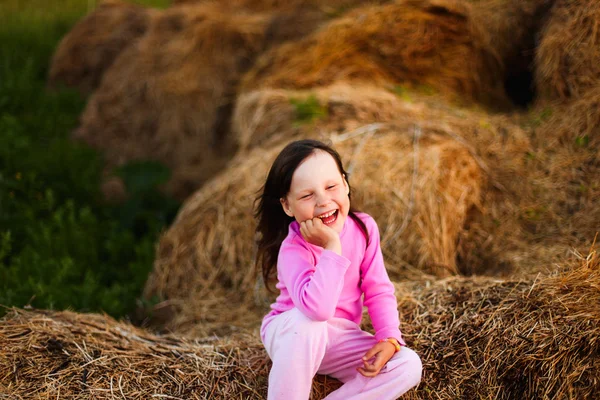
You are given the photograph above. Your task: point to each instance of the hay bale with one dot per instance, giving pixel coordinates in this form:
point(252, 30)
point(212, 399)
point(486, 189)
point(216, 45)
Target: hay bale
point(470, 171)
point(478, 338)
point(211, 244)
point(428, 43)
point(45, 354)
point(567, 61)
point(91, 47)
point(481, 338)
point(168, 97)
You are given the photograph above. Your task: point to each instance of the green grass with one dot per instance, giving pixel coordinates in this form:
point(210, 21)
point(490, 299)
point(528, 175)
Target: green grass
point(60, 245)
point(308, 110)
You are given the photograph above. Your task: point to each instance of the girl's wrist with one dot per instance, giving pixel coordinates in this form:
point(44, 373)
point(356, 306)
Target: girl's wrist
point(334, 245)
point(394, 342)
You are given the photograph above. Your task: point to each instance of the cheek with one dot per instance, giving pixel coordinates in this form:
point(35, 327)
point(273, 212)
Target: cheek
point(344, 201)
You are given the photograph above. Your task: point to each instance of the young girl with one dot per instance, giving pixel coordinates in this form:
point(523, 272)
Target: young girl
point(329, 264)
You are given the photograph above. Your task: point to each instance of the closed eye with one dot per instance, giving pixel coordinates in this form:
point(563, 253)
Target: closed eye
point(306, 196)
point(331, 187)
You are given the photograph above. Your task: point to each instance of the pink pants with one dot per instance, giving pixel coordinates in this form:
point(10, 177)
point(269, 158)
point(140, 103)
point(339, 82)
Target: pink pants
point(300, 348)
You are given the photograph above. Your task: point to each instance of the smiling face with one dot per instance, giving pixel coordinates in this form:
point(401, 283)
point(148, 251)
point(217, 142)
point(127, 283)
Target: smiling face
point(319, 190)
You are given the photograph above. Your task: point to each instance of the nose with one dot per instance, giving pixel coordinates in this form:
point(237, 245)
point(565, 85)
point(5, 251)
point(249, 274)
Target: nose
point(323, 199)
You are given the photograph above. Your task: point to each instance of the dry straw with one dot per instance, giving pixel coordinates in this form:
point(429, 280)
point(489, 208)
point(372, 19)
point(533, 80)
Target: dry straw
point(419, 179)
point(478, 338)
point(91, 47)
point(428, 43)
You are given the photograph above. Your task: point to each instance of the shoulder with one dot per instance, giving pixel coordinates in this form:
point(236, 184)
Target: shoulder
point(367, 220)
point(294, 239)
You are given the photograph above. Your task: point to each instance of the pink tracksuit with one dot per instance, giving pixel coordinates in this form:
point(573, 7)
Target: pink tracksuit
point(313, 326)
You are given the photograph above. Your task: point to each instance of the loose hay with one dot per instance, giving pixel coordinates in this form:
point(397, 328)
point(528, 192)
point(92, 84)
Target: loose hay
point(91, 47)
point(168, 97)
point(478, 338)
point(567, 61)
point(428, 43)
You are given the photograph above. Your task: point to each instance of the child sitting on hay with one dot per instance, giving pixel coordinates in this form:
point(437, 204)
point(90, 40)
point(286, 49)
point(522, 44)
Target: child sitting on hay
point(327, 256)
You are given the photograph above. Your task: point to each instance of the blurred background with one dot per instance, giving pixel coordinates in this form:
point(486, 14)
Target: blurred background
point(62, 245)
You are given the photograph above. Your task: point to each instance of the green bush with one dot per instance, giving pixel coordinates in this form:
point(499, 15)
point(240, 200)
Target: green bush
point(60, 245)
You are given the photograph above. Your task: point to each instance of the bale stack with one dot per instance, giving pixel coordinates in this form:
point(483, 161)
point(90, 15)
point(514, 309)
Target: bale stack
point(91, 47)
point(477, 337)
point(424, 43)
point(168, 97)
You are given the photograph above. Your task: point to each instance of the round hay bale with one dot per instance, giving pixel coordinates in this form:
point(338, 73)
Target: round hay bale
point(567, 60)
point(431, 221)
point(477, 337)
point(211, 243)
point(168, 97)
point(429, 43)
point(91, 47)
point(488, 244)
point(412, 176)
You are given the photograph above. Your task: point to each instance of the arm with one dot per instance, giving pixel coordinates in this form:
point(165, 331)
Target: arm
point(314, 289)
point(380, 299)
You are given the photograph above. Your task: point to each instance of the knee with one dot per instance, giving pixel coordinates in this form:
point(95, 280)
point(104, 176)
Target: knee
point(413, 366)
point(304, 327)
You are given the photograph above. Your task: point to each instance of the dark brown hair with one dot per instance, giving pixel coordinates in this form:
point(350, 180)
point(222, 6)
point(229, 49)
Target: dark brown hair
point(273, 223)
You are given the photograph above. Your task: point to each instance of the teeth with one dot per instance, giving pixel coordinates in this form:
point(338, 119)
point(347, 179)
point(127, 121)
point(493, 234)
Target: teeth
point(329, 214)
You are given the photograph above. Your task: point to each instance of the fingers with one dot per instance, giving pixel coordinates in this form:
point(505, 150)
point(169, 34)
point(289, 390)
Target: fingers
point(368, 370)
point(371, 353)
point(379, 362)
point(309, 228)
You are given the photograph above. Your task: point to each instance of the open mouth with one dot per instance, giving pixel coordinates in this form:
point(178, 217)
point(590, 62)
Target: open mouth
point(329, 217)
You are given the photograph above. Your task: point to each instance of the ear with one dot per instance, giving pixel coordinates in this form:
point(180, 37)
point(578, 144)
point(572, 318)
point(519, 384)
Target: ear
point(286, 207)
point(346, 184)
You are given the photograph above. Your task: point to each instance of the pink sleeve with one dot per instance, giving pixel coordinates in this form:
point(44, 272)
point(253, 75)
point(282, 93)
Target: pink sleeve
point(314, 289)
point(380, 299)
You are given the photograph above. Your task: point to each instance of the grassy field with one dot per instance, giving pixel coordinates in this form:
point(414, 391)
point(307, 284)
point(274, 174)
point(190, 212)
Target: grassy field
point(60, 246)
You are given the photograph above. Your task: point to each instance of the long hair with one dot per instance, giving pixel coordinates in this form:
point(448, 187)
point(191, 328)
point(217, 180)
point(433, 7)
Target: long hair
point(273, 222)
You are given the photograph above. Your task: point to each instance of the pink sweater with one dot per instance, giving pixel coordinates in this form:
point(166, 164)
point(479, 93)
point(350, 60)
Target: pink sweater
point(323, 284)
